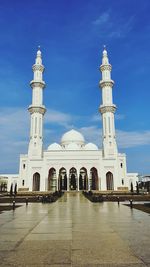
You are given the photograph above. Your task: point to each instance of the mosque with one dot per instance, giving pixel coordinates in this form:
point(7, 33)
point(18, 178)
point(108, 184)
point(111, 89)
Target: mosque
point(73, 164)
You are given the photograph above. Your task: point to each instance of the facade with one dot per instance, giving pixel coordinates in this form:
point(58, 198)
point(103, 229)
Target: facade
point(144, 183)
point(8, 180)
point(73, 164)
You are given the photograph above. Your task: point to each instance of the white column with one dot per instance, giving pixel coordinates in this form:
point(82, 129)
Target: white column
point(46, 184)
point(77, 179)
point(68, 184)
point(89, 184)
point(57, 185)
point(99, 183)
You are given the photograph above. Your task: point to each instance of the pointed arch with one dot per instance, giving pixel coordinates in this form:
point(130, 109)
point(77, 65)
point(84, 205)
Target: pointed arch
point(73, 178)
point(83, 179)
point(36, 182)
point(109, 181)
point(51, 179)
point(62, 179)
point(94, 178)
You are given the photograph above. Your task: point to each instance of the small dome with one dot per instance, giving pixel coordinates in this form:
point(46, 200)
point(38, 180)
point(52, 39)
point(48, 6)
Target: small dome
point(73, 146)
point(90, 146)
point(54, 146)
point(72, 137)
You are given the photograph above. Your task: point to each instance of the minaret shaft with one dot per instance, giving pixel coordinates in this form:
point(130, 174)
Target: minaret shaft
point(107, 109)
point(37, 109)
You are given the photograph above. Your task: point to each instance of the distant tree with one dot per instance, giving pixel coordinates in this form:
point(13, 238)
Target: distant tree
point(15, 190)
point(131, 187)
point(137, 188)
point(11, 189)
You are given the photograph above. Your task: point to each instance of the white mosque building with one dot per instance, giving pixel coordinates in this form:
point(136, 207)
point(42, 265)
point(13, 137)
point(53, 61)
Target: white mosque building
point(73, 164)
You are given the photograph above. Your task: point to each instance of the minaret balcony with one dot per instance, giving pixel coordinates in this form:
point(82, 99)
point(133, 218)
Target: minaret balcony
point(38, 67)
point(106, 67)
point(36, 83)
point(104, 109)
point(37, 109)
point(106, 83)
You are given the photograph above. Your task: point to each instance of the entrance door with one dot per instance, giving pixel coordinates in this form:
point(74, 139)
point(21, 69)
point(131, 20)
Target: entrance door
point(73, 182)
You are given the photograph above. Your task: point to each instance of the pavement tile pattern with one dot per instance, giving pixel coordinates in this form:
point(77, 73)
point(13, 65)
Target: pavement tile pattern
point(74, 232)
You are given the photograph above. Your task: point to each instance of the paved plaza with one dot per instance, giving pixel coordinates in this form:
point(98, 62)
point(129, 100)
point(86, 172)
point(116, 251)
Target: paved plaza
point(74, 232)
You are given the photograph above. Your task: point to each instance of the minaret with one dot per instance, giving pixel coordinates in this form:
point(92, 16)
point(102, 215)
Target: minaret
point(107, 109)
point(37, 109)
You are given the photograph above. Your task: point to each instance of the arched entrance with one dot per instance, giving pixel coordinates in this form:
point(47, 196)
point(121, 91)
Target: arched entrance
point(94, 178)
point(83, 180)
point(36, 182)
point(73, 179)
point(62, 179)
point(52, 180)
point(109, 181)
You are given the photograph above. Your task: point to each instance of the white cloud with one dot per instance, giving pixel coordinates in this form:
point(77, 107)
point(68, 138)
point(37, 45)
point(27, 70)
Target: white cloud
point(124, 139)
point(57, 117)
point(133, 138)
point(97, 117)
point(102, 19)
point(14, 124)
point(119, 117)
point(111, 27)
point(14, 134)
point(92, 134)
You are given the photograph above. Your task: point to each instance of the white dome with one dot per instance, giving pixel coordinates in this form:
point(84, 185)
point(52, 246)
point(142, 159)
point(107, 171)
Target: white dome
point(90, 146)
point(72, 137)
point(54, 146)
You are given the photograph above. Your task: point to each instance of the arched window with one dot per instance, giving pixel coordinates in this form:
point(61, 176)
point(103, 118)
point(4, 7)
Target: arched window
point(94, 179)
point(52, 180)
point(73, 178)
point(109, 181)
point(83, 180)
point(62, 179)
point(36, 182)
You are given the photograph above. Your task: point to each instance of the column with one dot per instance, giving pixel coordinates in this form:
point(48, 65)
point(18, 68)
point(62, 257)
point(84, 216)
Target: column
point(68, 183)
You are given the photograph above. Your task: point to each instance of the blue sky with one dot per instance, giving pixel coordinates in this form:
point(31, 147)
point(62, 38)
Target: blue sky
point(72, 35)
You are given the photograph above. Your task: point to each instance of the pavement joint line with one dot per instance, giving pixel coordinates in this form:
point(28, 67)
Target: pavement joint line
point(30, 230)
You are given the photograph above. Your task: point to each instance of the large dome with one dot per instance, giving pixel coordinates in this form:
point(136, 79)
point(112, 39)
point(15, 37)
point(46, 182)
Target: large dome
point(72, 137)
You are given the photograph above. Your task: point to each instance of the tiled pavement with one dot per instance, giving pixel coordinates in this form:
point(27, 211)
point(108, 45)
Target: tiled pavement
point(74, 232)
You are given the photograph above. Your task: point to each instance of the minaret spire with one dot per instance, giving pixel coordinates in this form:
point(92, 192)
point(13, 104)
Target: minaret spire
point(37, 109)
point(107, 109)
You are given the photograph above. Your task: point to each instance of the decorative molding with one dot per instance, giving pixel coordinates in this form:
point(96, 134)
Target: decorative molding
point(40, 84)
point(104, 109)
point(103, 83)
point(33, 109)
point(105, 67)
point(38, 67)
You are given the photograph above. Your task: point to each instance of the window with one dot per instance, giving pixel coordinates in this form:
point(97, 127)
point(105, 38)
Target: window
point(24, 165)
point(22, 182)
point(121, 165)
point(122, 181)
